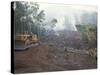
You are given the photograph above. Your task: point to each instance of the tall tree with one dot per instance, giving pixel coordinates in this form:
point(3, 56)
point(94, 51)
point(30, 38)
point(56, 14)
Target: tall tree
point(27, 17)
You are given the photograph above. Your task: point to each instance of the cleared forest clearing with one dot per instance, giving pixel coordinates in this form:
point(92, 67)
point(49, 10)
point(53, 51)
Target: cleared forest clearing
point(41, 58)
point(46, 40)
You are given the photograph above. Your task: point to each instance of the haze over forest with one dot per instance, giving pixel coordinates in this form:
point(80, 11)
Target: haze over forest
point(69, 15)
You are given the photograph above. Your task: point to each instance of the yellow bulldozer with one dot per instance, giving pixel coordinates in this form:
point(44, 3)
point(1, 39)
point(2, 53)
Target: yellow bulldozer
point(24, 41)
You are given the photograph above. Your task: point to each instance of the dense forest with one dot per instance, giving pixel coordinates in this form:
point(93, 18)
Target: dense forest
point(28, 18)
point(88, 34)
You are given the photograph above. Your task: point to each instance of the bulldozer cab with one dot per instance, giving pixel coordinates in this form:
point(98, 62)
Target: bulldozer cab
point(25, 40)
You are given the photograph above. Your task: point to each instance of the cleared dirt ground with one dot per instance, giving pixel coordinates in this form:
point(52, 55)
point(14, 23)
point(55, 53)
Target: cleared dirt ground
point(44, 58)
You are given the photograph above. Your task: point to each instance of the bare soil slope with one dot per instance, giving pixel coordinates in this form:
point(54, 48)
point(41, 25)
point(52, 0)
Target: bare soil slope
point(45, 58)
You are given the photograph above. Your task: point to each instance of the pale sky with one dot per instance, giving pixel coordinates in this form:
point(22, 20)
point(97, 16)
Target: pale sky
point(53, 7)
point(59, 11)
